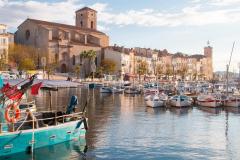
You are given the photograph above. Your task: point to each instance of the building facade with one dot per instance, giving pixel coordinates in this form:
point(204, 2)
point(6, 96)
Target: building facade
point(5, 40)
point(177, 66)
point(64, 43)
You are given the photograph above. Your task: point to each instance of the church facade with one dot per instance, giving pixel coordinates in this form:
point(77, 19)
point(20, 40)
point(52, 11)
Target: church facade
point(64, 43)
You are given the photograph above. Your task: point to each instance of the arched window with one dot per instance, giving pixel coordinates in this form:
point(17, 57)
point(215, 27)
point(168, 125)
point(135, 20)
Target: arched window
point(27, 34)
point(73, 60)
point(92, 24)
point(81, 23)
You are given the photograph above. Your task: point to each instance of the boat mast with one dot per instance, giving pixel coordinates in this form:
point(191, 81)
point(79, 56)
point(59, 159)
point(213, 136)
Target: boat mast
point(227, 76)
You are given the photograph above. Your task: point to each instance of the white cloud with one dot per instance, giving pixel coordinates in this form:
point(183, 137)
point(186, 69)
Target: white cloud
point(188, 16)
point(224, 2)
point(15, 12)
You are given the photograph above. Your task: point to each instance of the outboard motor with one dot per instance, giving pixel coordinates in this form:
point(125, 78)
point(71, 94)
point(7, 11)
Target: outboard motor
point(72, 104)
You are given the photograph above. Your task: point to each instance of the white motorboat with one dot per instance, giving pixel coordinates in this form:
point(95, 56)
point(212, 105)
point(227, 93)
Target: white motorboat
point(209, 100)
point(180, 101)
point(157, 100)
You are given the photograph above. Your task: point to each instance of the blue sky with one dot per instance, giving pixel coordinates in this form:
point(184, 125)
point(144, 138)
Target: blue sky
point(177, 25)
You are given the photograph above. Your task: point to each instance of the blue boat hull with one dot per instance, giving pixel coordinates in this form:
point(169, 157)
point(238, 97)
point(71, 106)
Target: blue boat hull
point(22, 141)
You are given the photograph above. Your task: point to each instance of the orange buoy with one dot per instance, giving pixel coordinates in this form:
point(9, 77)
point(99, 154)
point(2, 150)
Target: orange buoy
point(15, 115)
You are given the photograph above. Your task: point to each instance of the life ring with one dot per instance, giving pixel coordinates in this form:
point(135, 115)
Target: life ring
point(12, 118)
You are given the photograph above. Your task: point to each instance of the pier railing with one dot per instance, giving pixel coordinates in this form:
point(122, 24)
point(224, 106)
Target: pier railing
point(14, 127)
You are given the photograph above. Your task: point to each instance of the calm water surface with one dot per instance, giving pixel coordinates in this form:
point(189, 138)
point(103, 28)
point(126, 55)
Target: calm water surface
point(121, 127)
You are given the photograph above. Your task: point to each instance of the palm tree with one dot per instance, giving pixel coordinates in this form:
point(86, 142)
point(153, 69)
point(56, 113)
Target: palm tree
point(77, 71)
point(88, 61)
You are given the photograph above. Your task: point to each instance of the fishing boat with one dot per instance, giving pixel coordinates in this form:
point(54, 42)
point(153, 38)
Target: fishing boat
point(180, 101)
point(157, 100)
point(209, 100)
point(51, 129)
point(36, 130)
point(23, 106)
point(231, 101)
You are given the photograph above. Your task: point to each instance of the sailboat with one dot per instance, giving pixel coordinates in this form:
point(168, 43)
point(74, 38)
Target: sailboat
point(230, 100)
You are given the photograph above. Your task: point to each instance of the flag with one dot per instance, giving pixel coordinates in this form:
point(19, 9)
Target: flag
point(35, 88)
point(13, 93)
point(5, 88)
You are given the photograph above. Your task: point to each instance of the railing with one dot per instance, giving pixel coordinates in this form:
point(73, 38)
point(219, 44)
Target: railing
point(11, 126)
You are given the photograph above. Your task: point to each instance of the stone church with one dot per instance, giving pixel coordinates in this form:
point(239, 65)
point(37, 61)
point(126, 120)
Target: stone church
point(64, 43)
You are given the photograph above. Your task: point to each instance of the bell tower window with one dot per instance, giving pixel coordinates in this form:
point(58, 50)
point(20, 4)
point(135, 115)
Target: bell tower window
point(92, 24)
point(81, 23)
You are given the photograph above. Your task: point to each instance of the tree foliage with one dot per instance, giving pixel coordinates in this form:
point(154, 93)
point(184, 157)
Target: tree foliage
point(18, 53)
point(77, 71)
point(169, 70)
point(88, 63)
point(108, 66)
point(50, 69)
point(142, 67)
point(26, 64)
point(159, 70)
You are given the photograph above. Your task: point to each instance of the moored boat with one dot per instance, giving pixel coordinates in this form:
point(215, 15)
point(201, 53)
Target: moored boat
point(231, 101)
point(180, 101)
point(157, 100)
point(209, 100)
point(28, 135)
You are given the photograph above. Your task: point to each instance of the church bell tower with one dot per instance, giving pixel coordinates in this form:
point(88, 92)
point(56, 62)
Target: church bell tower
point(86, 18)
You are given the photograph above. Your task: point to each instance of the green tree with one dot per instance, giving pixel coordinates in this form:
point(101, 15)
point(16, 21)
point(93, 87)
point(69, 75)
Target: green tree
point(183, 71)
point(50, 69)
point(88, 65)
point(3, 65)
point(77, 71)
point(108, 66)
point(159, 70)
point(142, 68)
point(16, 53)
point(169, 71)
point(26, 64)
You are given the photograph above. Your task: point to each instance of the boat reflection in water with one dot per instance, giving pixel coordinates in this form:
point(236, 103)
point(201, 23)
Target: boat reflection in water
point(159, 110)
point(75, 149)
point(180, 111)
point(216, 110)
point(235, 110)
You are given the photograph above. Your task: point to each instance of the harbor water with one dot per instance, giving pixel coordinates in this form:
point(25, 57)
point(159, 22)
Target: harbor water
point(122, 127)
